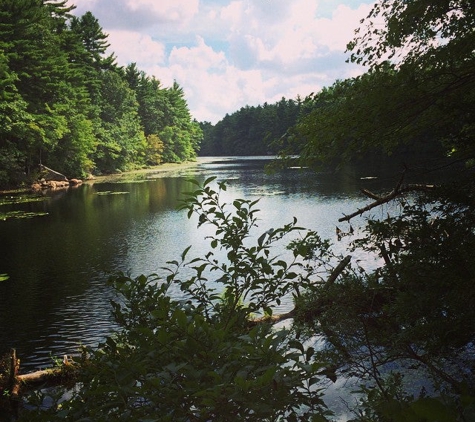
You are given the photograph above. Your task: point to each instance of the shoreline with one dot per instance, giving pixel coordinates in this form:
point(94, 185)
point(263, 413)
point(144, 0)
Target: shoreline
point(164, 168)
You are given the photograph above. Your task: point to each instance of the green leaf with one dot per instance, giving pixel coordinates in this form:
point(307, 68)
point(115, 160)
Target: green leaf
point(295, 344)
point(194, 182)
point(309, 353)
point(209, 180)
point(183, 255)
point(261, 239)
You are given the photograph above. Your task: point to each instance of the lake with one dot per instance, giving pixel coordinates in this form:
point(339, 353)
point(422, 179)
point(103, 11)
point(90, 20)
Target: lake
point(56, 298)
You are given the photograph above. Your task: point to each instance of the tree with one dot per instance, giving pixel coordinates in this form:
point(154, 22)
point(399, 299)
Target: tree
point(251, 130)
point(122, 141)
point(181, 136)
point(151, 98)
point(59, 90)
point(14, 121)
point(25, 32)
point(419, 87)
point(34, 41)
point(94, 40)
point(154, 152)
point(410, 313)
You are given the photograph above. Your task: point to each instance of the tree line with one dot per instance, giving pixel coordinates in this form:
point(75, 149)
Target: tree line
point(65, 103)
point(290, 127)
point(252, 130)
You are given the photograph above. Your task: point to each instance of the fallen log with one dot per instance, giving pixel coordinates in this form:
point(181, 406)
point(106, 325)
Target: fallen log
point(50, 174)
point(272, 319)
point(14, 384)
point(43, 378)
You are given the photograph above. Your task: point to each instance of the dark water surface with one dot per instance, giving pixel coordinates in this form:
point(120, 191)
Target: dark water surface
point(56, 298)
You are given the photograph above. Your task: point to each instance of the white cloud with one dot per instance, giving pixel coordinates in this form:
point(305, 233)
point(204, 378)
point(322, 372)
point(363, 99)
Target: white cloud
point(164, 10)
point(200, 56)
point(135, 47)
point(233, 14)
point(138, 14)
point(337, 31)
point(230, 53)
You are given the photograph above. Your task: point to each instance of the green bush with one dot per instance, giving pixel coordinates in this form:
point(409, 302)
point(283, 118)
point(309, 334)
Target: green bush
point(188, 351)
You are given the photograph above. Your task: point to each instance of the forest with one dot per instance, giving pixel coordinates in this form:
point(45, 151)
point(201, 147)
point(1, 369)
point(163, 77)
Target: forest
point(403, 331)
point(65, 103)
point(252, 130)
point(276, 129)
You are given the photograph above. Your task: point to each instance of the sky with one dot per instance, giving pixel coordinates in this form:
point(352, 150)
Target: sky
point(227, 54)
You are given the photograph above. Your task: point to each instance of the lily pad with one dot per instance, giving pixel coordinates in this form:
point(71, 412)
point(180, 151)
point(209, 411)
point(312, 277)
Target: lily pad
point(108, 192)
point(21, 214)
point(13, 200)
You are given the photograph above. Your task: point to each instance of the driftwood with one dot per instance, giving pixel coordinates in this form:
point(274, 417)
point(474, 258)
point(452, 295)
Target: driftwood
point(13, 385)
point(272, 319)
point(17, 384)
point(51, 179)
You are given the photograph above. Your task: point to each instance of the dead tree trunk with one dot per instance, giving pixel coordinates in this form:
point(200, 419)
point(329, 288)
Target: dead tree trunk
point(15, 384)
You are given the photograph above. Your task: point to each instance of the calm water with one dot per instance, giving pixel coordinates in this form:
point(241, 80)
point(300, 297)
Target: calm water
point(56, 297)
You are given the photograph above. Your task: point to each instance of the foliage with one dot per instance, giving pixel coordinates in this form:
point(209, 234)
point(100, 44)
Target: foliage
point(415, 32)
point(155, 148)
point(187, 348)
point(411, 314)
point(122, 142)
point(57, 97)
point(251, 130)
point(410, 319)
point(419, 89)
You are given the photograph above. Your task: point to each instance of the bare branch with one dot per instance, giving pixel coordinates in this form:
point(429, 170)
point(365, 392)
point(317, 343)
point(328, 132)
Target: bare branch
point(337, 271)
point(370, 194)
point(379, 200)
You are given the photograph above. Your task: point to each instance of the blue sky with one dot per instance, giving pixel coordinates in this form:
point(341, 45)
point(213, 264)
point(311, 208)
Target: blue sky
point(227, 54)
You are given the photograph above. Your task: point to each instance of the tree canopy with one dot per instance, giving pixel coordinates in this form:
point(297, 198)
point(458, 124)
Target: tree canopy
point(419, 87)
point(251, 130)
point(67, 104)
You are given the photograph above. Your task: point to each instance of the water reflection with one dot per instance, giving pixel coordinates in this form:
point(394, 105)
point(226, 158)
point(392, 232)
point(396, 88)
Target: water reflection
point(56, 297)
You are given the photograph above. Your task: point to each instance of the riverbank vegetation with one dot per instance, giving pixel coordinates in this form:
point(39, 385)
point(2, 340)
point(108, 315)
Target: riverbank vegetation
point(402, 329)
point(65, 103)
point(413, 314)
